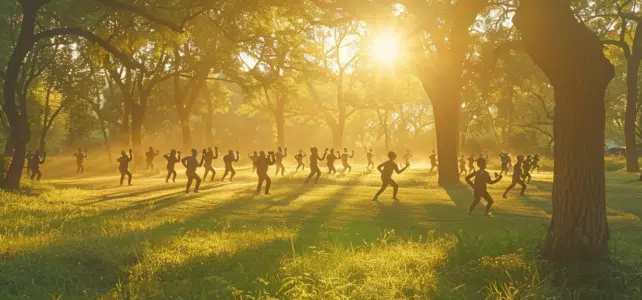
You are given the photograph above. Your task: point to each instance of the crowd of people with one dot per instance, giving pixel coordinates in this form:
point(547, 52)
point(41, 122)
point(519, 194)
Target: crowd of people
point(474, 167)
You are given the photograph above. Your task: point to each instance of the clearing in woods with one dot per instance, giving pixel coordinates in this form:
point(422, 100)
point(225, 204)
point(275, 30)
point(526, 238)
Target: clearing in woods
point(90, 238)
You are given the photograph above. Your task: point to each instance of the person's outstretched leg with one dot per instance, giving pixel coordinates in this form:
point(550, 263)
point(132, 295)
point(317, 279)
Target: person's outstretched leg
point(523, 188)
point(384, 186)
point(39, 175)
point(395, 188)
point(213, 174)
point(232, 173)
point(476, 199)
point(174, 176)
point(122, 177)
point(489, 203)
point(82, 169)
point(316, 181)
point(282, 171)
point(190, 178)
point(78, 169)
point(198, 183)
point(207, 171)
point(349, 169)
point(129, 174)
point(227, 171)
point(268, 184)
point(169, 174)
point(309, 176)
point(510, 187)
point(259, 184)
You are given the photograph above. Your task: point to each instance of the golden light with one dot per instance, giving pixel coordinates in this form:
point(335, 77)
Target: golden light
point(385, 49)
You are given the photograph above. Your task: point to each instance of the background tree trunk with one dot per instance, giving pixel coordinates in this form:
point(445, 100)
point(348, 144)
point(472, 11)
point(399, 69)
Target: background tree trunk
point(17, 116)
point(630, 118)
point(572, 57)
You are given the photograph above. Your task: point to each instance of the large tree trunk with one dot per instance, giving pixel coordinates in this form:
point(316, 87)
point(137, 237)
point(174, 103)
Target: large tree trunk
point(17, 115)
point(572, 57)
point(209, 122)
point(105, 136)
point(447, 132)
point(632, 69)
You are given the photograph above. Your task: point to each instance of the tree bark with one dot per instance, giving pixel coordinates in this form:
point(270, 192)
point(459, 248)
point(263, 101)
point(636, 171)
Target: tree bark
point(17, 116)
point(572, 57)
point(630, 117)
point(209, 118)
point(447, 132)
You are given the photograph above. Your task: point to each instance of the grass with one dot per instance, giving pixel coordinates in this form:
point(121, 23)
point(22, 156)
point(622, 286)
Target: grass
point(86, 238)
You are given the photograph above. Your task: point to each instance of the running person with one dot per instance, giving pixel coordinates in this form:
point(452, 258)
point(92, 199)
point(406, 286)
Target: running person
point(172, 159)
point(330, 162)
point(480, 188)
point(191, 163)
point(123, 166)
point(253, 158)
point(344, 160)
point(314, 164)
point(209, 156)
point(35, 164)
point(371, 164)
point(517, 177)
point(280, 155)
point(150, 158)
point(527, 165)
point(462, 165)
point(229, 159)
point(386, 169)
point(471, 164)
point(433, 160)
point(80, 157)
point(407, 157)
point(299, 160)
point(262, 165)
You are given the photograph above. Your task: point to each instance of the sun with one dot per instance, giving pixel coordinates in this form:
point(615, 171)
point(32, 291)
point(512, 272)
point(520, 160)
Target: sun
point(385, 50)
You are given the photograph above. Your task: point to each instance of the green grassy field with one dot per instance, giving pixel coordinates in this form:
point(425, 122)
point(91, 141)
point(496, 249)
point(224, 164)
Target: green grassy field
point(87, 238)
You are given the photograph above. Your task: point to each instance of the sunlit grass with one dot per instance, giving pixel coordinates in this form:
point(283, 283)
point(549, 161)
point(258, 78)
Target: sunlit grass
point(86, 238)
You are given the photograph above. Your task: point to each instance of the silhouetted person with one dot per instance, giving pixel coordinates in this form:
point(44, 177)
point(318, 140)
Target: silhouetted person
point(28, 164)
point(528, 163)
point(35, 164)
point(535, 163)
point(253, 158)
point(263, 163)
point(229, 159)
point(386, 169)
point(371, 164)
point(123, 166)
point(80, 157)
point(280, 155)
point(503, 157)
point(191, 163)
point(433, 160)
point(209, 156)
point(471, 164)
point(172, 159)
point(517, 176)
point(150, 158)
point(330, 162)
point(407, 157)
point(344, 160)
point(462, 165)
point(299, 160)
point(480, 189)
point(314, 163)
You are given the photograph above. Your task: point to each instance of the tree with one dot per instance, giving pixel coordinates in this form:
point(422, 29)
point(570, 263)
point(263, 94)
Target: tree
point(633, 55)
point(572, 57)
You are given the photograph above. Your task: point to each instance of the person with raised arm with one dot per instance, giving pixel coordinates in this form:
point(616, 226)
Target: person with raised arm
point(80, 157)
point(191, 163)
point(386, 169)
point(263, 163)
point(344, 160)
point(209, 156)
point(123, 166)
point(149, 161)
point(35, 165)
point(172, 159)
point(229, 159)
point(280, 155)
point(480, 186)
point(314, 164)
point(299, 160)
